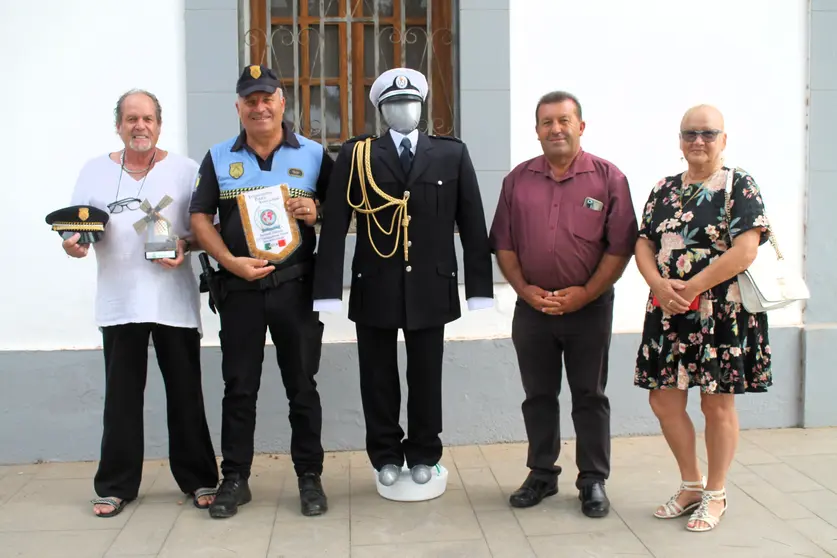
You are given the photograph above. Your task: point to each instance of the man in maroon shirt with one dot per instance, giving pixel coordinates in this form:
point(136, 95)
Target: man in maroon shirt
point(563, 232)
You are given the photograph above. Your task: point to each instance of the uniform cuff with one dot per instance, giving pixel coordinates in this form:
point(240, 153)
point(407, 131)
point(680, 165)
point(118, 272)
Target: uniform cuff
point(480, 303)
point(329, 305)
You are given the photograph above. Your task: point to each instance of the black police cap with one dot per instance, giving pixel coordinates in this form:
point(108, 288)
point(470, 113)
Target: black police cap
point(257, 78)
point(86, 220)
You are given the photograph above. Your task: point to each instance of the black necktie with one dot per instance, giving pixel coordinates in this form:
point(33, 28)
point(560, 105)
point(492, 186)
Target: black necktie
point(406, 155)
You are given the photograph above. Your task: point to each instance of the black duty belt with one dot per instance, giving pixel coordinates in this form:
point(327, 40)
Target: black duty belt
point(235, 283)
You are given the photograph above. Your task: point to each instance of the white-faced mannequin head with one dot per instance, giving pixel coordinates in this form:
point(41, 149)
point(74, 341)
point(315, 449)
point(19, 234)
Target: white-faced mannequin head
point(402, 115)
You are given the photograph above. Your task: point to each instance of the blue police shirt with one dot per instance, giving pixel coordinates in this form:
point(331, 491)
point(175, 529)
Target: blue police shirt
point(232, 167)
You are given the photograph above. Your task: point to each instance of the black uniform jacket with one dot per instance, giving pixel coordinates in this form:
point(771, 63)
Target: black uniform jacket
point(421, 292)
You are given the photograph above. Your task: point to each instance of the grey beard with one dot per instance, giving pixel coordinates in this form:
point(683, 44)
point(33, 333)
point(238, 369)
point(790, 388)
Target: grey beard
point(402, 117)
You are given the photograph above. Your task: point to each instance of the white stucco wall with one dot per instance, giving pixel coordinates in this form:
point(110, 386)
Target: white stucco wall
point(63, 65)
point(636, 66)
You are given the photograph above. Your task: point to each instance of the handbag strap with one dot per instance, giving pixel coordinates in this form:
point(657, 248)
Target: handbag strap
point(728, 215)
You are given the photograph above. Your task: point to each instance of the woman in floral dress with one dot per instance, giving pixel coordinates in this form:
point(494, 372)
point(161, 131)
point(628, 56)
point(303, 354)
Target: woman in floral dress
point(687, 259)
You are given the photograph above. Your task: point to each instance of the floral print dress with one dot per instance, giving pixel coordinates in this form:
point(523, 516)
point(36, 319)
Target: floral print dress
point(720, 347)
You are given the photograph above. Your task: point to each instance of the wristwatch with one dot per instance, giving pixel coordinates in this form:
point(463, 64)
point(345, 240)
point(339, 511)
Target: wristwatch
point(187, 246)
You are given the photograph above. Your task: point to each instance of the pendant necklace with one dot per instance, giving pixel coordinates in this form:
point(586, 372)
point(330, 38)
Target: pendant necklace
point(700, 189)
point(142, 184)
point(129, 171)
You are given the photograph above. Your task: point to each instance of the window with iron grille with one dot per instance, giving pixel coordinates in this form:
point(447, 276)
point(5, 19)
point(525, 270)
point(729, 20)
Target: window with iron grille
point(328, 53)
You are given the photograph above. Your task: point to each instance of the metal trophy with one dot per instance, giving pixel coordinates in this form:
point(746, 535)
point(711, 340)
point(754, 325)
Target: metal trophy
point(160, 241)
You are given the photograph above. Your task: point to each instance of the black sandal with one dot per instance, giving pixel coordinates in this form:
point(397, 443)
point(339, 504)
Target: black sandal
point(117, 504)
point(202, 493)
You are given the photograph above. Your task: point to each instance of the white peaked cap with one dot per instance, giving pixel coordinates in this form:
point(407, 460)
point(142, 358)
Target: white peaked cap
point(399, 83)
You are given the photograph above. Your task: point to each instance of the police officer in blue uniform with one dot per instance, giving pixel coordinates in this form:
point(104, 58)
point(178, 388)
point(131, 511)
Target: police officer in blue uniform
point(260, 293)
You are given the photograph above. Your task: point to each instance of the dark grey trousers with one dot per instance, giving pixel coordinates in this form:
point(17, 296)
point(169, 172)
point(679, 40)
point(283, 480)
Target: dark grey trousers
point(582, 340)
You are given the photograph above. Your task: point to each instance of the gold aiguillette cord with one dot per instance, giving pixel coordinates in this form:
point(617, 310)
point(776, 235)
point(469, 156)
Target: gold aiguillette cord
point(361, 155)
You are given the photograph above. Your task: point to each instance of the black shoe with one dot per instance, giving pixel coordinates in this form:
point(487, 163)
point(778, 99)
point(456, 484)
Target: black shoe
point(233, 492)
point(532, 491)
point(312, 498)
point(594, 502)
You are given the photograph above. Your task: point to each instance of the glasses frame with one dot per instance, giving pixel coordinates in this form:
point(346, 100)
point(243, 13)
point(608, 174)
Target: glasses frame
point(708, 135)
point(119, 206)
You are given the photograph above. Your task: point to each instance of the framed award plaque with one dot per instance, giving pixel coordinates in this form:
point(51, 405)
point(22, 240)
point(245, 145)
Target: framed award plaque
point(271, 231)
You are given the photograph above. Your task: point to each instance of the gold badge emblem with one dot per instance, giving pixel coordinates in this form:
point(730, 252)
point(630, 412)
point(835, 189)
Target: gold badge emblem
point(255, 72)
point(83, 213)
point(236, 170)
point(297, 173)
point(197, 181)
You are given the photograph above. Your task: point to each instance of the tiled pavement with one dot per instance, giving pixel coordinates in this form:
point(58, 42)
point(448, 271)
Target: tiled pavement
point(782, 497)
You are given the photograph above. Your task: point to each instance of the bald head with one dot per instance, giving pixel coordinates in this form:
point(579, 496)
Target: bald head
point(702, 138)
point(705, 117)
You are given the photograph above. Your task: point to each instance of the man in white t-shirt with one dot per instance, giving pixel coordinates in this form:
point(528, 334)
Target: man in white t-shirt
point(137, 298)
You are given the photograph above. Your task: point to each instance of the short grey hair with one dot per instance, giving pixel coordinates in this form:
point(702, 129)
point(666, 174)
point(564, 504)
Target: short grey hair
point(117, 112)
point(558, 97)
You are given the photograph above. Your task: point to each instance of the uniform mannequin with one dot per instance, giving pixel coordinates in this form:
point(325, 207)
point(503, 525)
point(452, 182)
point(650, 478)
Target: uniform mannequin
point(409, 191)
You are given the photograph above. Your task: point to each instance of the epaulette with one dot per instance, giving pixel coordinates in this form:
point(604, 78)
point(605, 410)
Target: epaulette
point(361, 138)
point(451, 138)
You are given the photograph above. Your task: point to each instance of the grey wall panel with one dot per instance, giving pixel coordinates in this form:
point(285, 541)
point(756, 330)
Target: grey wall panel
point(212, 68)
point(820, 320)
point(481, 389)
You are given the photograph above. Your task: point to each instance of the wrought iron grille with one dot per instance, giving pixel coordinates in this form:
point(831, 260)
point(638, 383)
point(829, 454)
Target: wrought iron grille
point(328, 53)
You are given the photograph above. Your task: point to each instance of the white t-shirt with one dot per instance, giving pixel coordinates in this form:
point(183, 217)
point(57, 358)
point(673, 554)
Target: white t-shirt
point(131, 289)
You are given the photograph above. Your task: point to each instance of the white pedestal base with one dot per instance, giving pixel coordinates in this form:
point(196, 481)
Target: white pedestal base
point(405, 490)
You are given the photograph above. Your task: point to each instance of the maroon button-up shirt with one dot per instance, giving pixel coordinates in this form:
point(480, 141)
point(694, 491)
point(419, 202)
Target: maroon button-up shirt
point(560, 229)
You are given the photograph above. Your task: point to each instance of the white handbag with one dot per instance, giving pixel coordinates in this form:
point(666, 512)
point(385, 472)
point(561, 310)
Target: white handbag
point(769, 283)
